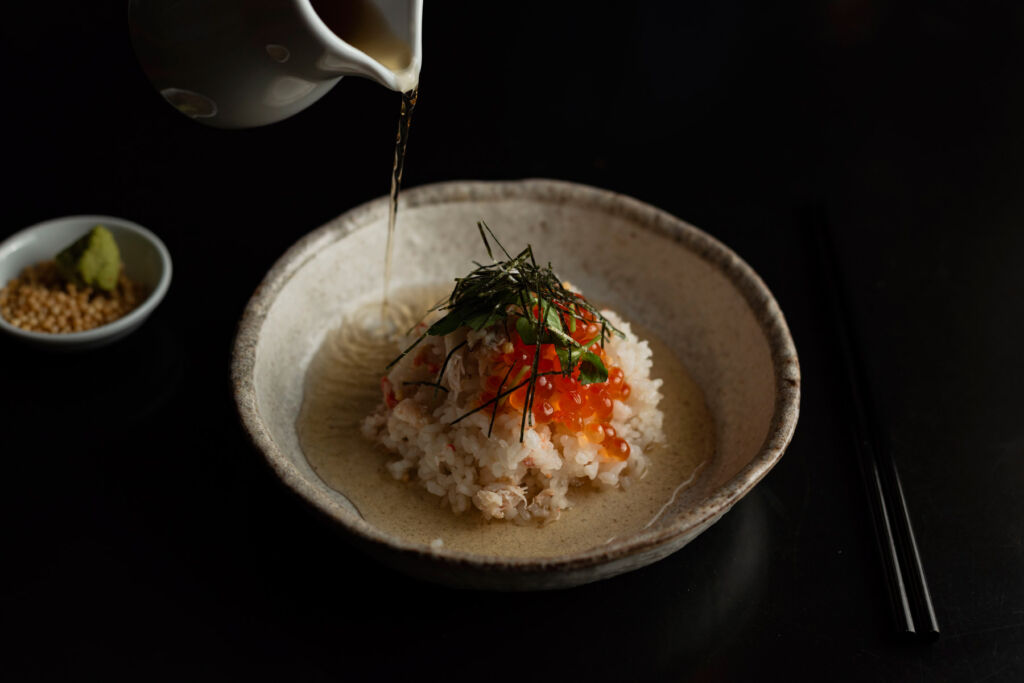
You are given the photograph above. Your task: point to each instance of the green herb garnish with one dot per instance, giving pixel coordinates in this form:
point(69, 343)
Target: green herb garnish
point(517, 291)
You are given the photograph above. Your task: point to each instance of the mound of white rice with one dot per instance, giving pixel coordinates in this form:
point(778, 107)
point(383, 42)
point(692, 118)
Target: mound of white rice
point(500, 476)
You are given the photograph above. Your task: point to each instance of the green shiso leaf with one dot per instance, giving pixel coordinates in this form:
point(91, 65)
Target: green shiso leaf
point(526, 330)
point(449, 323)
point(592, 369)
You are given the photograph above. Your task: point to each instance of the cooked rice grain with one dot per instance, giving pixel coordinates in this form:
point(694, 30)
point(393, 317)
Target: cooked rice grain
point(500, 476)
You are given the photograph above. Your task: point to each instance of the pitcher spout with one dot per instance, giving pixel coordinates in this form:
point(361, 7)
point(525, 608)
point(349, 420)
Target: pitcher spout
point(377, 39)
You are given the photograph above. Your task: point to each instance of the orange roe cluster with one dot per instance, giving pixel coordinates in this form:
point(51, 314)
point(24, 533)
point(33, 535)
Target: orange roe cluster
point(560, 399)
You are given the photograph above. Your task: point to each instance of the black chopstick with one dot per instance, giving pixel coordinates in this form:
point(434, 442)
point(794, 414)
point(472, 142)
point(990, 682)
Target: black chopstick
point(911, 602)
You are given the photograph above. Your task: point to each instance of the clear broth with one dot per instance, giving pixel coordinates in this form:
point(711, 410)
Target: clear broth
point(343, 386)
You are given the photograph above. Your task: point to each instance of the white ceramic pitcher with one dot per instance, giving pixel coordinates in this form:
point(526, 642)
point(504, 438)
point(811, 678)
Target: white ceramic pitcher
point(244, 63)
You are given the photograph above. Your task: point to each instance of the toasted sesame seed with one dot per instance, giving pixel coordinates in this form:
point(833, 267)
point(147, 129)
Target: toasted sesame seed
point(39, 300)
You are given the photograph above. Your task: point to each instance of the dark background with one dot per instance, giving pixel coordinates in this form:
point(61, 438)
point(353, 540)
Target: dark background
point(144, 539)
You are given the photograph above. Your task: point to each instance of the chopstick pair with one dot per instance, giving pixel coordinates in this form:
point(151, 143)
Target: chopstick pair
point(910, 600)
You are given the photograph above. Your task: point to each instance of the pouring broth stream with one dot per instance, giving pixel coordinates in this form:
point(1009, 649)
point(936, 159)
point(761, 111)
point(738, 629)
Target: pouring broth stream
point(362, 25)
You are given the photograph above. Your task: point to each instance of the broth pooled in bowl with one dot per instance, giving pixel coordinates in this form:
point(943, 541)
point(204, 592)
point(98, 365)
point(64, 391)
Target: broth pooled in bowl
point(515, 419)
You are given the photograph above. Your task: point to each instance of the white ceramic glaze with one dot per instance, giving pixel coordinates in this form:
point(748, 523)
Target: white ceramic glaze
point(682, 285)
point(243, 63)
point(146, 261)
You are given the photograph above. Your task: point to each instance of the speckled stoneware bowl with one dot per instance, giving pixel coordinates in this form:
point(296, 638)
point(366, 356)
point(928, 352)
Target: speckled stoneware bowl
point(682, 285)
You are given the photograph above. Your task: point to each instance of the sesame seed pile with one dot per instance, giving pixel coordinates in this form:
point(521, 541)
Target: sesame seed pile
point(39, 300)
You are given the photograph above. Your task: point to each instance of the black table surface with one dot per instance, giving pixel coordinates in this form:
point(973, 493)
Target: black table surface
point(145, 539)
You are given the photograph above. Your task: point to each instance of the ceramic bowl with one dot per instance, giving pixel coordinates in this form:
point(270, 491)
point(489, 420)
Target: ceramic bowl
point(690, 290)
point(146, 261)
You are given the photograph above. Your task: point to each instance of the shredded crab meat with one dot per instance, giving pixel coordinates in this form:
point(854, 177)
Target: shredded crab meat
point(508, 475)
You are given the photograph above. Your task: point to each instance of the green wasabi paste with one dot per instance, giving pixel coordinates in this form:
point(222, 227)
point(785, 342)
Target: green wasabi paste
point(92, 261)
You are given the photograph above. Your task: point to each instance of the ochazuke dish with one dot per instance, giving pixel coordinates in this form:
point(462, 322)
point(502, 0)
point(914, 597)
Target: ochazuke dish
point(514, 418)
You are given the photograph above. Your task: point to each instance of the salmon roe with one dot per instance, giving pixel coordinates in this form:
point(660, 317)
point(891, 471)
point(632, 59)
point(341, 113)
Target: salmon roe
point(616, 449)
point(559, 399)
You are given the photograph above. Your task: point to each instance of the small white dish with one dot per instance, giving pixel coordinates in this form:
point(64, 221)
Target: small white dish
point(146, 261)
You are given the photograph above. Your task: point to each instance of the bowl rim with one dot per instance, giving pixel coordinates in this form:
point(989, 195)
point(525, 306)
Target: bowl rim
point(766, 311)
point(111, 329)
